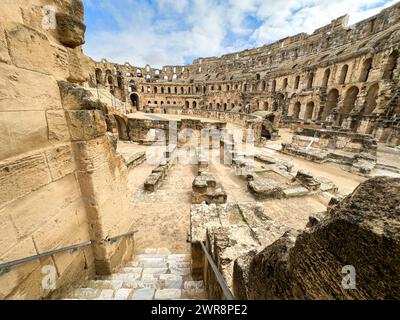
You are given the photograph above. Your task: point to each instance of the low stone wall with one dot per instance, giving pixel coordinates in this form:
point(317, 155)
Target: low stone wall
point(346, 141)
point(139, 129)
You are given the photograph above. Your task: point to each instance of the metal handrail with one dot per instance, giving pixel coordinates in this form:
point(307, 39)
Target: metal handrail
point(115, 239)
point(218, 275)
point(6, 267)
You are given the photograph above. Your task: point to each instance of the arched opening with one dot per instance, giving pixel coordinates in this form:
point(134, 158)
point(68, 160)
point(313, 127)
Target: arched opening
point(365, 70)
point(265, 106)
point(391, 65)
point(120, 83)
point(258, 77)
point(263, 85)
point(296, 110)
point(348, 103)
point(99, 76)
point(273, 87)
point(370, 100)
point(162, 89)
point(343, 74)
point(310, 81)
point(169, 90)
point(187, 104)
point(110, 80)
point(266, 131)
point(121, 127)
point(325, 80)
point(194, 104)
point(285, 83)
point(135, 100)
point(331, 103)
point(309, 111)
point(225, 106)
point(155, 89)
point(297, 82)
point(176, 90)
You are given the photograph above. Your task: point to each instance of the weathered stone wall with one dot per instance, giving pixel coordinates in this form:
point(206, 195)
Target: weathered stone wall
point(62, 182)
point(362, 231)
point(342, 76)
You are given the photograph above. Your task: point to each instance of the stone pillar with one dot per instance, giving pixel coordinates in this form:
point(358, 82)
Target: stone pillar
point(102, 176)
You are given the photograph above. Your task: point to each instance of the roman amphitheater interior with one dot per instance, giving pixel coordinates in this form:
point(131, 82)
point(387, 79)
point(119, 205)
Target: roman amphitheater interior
point(276, 167)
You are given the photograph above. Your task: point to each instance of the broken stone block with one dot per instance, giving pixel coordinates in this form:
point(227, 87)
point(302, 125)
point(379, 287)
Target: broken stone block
point(308, 180)
point(153, 181)
point(265, 189)
point(359, 234)
point(71, 31)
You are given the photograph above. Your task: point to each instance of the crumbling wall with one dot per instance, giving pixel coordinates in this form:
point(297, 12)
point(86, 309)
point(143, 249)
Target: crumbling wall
point(352, 253)
point(62, 183)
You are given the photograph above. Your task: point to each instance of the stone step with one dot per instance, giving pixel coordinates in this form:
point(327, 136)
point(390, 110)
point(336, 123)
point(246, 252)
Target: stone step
point(155, 274)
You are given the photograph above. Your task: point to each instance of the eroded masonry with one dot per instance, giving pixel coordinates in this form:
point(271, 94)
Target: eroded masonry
point(278, 166)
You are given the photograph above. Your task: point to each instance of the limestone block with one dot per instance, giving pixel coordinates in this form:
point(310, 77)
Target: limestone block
point(57, 125)
point(21, 176)
point(22, 132)
point(76, 72)
point(73, 97)
point(31, 287)
point(168, 294)
point(10, 12)
point(61, 230)
point(4, 56)
point(22, 90)
point(73, 267)
point(30, 49)
point(61, 161)
point(33, 210)
point(71, 30)
point(86, 124)
point(8, 233)
point(106, 294)
point(11, 280)
point(172, 281)
point(123, 294)
point(143, 294)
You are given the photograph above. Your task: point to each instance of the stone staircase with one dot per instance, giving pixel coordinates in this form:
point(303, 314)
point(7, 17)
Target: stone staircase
point(154, 275)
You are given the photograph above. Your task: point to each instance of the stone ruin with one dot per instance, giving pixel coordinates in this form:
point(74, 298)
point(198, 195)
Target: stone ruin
point(361, 231)
point(357, 151)
point(74, 131)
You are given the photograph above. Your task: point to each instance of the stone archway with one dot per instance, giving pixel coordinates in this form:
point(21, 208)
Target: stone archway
point(122, 128)
point(308, 115)
point(135, 100)
point(296, 110)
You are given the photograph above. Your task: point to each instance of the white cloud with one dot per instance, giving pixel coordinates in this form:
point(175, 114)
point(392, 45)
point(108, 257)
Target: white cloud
point(172, 31)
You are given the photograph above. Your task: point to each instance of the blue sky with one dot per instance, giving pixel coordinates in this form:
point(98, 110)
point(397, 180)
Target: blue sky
point(175, 32)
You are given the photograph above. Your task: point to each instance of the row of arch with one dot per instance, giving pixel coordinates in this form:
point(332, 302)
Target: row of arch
point(348, 105)
point(108, 79)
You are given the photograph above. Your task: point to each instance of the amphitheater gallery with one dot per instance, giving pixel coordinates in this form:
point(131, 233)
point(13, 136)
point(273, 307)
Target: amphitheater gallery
point(270, 173)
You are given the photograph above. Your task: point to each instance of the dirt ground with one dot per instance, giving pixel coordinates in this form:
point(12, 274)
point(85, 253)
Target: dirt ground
point(163, 217)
